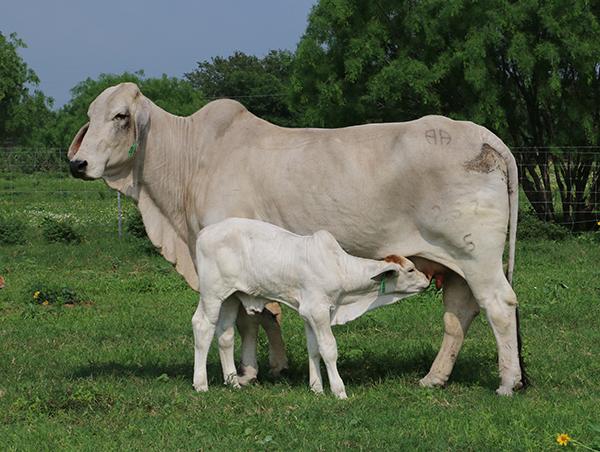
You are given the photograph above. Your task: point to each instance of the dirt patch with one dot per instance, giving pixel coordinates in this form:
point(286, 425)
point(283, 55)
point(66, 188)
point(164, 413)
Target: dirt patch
point(486, 161)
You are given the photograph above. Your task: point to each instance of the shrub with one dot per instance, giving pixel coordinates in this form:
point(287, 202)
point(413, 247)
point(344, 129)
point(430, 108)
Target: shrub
point(531, 227)
point(56, 230)
point(49, 294)
point(12, 231)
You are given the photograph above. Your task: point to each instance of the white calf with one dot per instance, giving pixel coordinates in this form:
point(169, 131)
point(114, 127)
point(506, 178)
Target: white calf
point(252, 263)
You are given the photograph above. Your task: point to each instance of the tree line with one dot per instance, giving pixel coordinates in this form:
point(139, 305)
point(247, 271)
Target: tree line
point(527, 70)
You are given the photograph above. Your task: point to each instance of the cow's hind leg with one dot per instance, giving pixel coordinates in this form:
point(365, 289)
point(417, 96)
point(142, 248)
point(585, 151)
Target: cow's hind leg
point(225, 334)
point(498, 299)
point(460, 309)
point(204, 323)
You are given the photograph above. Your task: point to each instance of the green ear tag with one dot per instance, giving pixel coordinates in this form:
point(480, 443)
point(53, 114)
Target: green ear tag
point(382, 287)
point(132, 150)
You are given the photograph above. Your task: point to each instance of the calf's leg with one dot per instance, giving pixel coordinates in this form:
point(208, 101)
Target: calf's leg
point(314, 360)
point(225, 333)
point(203, 324)
point(319, 320)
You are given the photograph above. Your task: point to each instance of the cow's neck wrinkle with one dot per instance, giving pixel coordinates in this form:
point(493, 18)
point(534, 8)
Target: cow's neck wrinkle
point(172, 153)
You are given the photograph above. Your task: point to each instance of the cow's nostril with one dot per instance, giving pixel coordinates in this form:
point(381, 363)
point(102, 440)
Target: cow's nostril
point(77, 167)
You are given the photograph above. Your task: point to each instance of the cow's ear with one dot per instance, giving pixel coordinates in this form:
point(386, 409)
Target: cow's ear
point(141, 118)
point(76, 143)
point(389, 270)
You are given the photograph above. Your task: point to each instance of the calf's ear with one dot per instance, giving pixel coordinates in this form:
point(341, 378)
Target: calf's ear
point(388, 270)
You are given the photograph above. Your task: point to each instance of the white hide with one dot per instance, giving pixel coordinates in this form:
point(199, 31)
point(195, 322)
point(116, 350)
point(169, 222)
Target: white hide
point(256, 262)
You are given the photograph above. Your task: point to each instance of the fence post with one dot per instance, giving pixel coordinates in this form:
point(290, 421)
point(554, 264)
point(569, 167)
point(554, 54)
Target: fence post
point(120, 214)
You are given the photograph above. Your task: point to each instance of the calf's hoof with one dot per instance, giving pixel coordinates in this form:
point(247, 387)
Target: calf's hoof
point(342, 395)
point(430, 381)
point(504, 391)
point(317, 388)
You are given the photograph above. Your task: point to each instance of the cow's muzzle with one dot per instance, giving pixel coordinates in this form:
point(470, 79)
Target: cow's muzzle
point(78, 167)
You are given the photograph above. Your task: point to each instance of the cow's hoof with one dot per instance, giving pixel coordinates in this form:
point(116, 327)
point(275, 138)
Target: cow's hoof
point(278, 371)
point(245, 380)
point(504, 391)
point(429, 381)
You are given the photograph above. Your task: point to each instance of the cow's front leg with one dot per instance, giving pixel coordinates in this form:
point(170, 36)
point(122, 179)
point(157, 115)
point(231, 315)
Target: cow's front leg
point(269, 320)
point(319, 319)
point(203, 324)
point(225, 337)
point(314, 360)
point(248, 328)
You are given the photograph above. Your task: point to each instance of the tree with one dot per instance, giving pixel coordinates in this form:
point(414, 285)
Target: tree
point(22, 114)
point(259, 83)
point(174, 95)
point(527, 70)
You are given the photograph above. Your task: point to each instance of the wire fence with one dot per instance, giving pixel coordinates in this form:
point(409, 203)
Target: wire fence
point(558, 184)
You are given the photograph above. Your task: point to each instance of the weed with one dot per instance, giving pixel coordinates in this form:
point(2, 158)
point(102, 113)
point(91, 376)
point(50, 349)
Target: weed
point(12, 231)
point(59, 230)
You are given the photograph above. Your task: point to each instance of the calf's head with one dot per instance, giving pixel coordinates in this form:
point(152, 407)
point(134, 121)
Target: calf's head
point(399, 275)
point(107, 144)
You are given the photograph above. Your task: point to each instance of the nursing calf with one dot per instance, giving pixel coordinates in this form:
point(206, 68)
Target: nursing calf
point(252, 263)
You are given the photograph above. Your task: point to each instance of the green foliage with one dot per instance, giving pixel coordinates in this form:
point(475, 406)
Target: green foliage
point(59, 230)
point(49, 293)
point(532, 228)
point(116, 373)
point(174, 95)
point(134, 224)
point(259, 83)
point(12, 231)
point(527, 70)
point(23, 114)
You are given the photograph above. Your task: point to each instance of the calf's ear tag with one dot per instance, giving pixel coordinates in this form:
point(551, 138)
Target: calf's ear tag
point(132, 150)
point(382, 286)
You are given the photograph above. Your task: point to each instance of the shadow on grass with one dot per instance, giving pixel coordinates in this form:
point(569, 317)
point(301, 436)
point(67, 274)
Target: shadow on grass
point(370, 370)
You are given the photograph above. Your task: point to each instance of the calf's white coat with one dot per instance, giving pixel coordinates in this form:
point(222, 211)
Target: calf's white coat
point(252, 262)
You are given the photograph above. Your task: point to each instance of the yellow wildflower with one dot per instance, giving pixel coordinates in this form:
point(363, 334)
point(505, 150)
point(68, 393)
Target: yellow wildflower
point(563, 439)
point(45, 303)
point(598, 223)
point(36, 294)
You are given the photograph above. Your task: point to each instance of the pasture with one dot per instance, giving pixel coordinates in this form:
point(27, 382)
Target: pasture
point(111, 368)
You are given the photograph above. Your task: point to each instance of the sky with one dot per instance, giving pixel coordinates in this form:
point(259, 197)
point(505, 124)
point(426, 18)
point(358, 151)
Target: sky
point(69, 40)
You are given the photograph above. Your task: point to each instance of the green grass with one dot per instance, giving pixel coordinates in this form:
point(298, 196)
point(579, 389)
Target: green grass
point(115, 371)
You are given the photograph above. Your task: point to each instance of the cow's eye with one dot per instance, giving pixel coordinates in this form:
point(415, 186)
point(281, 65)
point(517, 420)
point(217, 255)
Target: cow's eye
point(121, 116)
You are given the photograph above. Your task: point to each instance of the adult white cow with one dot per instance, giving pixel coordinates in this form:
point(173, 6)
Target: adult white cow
point(439, 191)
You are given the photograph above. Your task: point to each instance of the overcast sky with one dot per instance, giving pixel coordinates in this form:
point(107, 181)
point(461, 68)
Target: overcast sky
point(70, 40)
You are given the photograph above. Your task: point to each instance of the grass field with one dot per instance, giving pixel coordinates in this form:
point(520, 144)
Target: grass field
point(114, 371)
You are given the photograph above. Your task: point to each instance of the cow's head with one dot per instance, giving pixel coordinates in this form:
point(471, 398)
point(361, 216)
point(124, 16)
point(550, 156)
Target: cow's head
point(399, 275)
point(107, 144)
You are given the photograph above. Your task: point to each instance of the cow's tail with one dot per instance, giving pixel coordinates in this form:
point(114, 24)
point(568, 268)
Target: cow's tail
point(513, 203)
